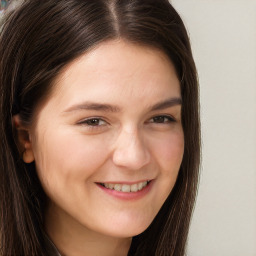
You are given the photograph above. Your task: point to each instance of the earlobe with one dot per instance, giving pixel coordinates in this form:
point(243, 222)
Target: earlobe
point(23, 140)
point(28, 156)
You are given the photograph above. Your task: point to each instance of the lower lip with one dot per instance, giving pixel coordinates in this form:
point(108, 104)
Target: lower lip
point(127, 195)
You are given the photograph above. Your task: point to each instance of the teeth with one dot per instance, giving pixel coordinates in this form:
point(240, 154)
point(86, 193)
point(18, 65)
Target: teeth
point(117, 187)
point(111, 186)
point(125, 187)
point(134, 187)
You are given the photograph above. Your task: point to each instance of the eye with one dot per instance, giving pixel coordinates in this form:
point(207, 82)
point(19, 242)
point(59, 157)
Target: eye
point(93, 122)
point(162, 119)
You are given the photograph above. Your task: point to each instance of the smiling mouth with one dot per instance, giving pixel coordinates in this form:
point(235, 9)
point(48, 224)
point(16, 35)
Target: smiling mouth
point(126, 188)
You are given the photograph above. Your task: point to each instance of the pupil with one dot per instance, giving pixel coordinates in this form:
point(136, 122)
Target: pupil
point(159, 119)
point(94, 122)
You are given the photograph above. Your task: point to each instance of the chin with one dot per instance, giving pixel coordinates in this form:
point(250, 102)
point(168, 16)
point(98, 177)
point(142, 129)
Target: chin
point(128, 229)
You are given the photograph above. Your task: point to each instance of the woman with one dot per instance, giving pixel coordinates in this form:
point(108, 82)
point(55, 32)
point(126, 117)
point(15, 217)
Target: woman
point(99, 129)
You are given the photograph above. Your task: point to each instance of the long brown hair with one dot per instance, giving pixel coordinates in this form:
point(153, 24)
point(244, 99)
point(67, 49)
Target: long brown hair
point(37, 40)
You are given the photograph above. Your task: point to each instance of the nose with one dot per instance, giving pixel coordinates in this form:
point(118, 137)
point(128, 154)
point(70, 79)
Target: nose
point(130, 151)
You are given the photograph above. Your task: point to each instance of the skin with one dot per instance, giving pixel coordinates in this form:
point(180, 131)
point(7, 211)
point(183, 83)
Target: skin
point(129, 142)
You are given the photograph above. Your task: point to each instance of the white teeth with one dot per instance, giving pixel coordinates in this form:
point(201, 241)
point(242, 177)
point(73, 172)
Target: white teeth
point(134, 187)
point(140, 185)
point(144, 184)
point(111, 186)
point(125, 187)
point(117, 187)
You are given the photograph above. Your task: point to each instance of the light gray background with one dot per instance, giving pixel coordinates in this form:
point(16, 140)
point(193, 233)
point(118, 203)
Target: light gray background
point(223, 37)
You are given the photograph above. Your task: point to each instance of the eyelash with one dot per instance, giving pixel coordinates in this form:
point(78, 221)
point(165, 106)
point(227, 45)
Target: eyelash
point(91, 120)
point(165, 119)
point(94, 122)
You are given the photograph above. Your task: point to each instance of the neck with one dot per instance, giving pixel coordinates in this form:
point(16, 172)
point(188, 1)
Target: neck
point(73, 239)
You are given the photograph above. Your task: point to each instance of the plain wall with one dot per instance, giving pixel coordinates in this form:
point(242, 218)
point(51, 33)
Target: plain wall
point(223, 37)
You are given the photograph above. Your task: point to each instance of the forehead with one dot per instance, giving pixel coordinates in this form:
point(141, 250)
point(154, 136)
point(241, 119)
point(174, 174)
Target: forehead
point(118, 69)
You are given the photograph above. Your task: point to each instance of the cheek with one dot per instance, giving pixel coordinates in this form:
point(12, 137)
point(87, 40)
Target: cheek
point(169, 152)
point(168, 155)
point(63, 156)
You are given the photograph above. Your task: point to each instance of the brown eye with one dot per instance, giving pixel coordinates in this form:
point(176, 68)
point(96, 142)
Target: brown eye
point(162, 119)
point(93, 122)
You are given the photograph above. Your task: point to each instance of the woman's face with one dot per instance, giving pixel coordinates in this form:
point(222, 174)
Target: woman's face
point(108, 142)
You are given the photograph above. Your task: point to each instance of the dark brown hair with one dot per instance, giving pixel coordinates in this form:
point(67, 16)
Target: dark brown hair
point(37, 40)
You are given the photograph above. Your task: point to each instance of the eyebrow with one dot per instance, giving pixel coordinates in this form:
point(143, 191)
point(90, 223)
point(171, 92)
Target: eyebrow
point(113, 108)
point(94, 106)
point(166, 104)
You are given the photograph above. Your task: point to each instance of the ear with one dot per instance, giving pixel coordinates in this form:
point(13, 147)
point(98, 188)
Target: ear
point(23, 140)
